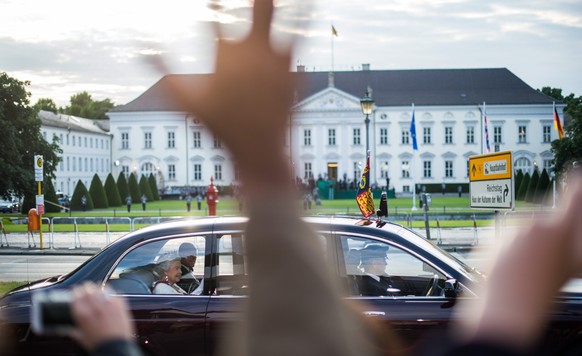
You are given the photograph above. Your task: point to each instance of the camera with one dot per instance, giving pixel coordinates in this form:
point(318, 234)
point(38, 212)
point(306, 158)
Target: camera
point(51, 313)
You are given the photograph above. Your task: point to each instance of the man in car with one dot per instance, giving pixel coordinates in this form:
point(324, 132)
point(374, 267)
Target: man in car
point(375, 282)
point(189, 282)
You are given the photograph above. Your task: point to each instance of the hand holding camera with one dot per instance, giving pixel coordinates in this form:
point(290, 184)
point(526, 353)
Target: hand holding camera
point(87, 313)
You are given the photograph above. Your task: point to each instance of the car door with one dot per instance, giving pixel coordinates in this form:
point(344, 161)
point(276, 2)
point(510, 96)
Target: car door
point(167, 324)
point(413, 303)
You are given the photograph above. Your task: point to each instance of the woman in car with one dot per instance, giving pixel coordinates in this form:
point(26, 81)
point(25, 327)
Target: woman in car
point(171, 273)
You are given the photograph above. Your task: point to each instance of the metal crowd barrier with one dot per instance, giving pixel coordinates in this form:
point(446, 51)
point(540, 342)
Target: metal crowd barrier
point(88, 220)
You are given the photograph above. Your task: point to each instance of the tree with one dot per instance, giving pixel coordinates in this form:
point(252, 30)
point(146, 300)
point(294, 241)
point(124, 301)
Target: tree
point(78, 194)
point(83, 105)
point(112, 192)
point(154, 186)
point(46, 104)
point(98, 193)
point(522, 191)
point(531, 187)
point(518, 180)
point(122, 187)
point(144, 187)
point(569, 148)
point(21, 141)
point(542, 187)
point(134, 190)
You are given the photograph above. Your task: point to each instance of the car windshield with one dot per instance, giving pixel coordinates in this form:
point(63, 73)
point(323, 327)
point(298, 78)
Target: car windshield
point(427, 245)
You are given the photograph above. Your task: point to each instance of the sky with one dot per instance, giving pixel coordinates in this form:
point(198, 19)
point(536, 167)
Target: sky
point(64, 47)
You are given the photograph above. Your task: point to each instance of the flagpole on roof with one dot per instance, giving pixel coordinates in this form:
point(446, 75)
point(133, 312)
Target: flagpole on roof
point(414, 148)
point(333, 34)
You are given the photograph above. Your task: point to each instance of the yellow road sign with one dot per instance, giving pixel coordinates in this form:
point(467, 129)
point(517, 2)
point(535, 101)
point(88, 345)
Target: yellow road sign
point(491, 181)
point(490, 166)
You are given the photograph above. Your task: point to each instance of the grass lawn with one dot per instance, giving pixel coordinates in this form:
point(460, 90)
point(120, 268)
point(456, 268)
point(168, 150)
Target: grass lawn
point(8, 286)
point(229, 207)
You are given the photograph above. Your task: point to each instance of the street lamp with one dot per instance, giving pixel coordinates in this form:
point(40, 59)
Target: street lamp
point(367, 104)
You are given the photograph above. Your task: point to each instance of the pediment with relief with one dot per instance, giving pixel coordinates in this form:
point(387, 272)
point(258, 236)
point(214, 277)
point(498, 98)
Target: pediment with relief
point(330, 99)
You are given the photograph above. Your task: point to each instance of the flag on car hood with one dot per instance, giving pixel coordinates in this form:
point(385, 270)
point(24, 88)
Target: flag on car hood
point(364, 197)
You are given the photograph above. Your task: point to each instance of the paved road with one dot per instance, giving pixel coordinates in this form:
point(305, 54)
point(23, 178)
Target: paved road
point(33, 267)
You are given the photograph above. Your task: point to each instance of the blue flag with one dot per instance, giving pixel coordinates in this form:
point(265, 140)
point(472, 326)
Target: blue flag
point(413, 133)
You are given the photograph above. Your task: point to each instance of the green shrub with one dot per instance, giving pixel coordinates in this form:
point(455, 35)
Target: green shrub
point(521, 192)
point(112, 191)
point(122, 187)
point(50, 196)
point(98, 193)
point(76, 199)
point(531, 188)
point(133, 187)
point(154, 187)
point(144, 187)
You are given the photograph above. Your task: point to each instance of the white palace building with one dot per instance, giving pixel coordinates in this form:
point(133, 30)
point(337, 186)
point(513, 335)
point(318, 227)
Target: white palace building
point(327, 136)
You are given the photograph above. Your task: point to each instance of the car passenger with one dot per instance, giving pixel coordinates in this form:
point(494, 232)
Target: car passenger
point(374, 282)
point(188, 254)
point(171, 274)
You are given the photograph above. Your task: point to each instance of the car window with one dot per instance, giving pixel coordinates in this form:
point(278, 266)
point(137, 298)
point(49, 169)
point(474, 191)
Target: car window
point(137, 272)
point(232, 270)
point(374, 268)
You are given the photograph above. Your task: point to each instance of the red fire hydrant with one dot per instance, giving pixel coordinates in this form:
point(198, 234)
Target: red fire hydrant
point(211, 198)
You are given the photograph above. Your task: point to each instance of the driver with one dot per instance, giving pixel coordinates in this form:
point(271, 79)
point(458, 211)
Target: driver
point(188, 254)
point(375, 281)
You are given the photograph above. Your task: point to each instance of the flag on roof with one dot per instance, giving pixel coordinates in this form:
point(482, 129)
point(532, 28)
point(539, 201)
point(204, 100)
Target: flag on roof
point(486, 129)
point(558, 123)
point(413, 131)
point(333, 31)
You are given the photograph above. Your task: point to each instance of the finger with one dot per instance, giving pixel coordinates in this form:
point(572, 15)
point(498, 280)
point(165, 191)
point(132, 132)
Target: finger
point(262, 16)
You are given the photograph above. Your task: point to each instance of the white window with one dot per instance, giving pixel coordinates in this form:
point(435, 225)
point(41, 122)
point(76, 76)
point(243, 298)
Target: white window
point(547, 134)
point(449, 169)
point(147, 140)
point(383, 136)
point(171, 139)
point(384, 169)
point(356, 138)
point(426, 136)
point(307, 137)
point(427, 169)
point(448, 135)
point(497, 135)
point(405, 169)
point(357, 171)
point(523, 164)
point(217, 142)
point(405, 137)
point(125, 170)
point(522, 134)
point(331, 137)
point(197, 171)
point(68, 164)
point(171, 172)
point(196, 139)
point(218, 171)
point(308, 171)
point(470, 135)
point(124, 140)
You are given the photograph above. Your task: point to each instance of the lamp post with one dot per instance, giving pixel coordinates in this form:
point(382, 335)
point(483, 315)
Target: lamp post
point(367, 104)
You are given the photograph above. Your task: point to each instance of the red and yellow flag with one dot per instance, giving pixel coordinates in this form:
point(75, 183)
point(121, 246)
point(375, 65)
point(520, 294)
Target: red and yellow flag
point(558, 124)
point(364, 196)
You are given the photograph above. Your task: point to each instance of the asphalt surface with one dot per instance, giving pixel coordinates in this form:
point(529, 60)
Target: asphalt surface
point(89, 243)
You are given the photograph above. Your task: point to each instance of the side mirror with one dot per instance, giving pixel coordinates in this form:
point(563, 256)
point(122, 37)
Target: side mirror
point(451, 288)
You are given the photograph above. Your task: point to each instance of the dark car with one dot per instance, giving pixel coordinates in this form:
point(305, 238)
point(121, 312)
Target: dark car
point(426, 284)
point(7, 206)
